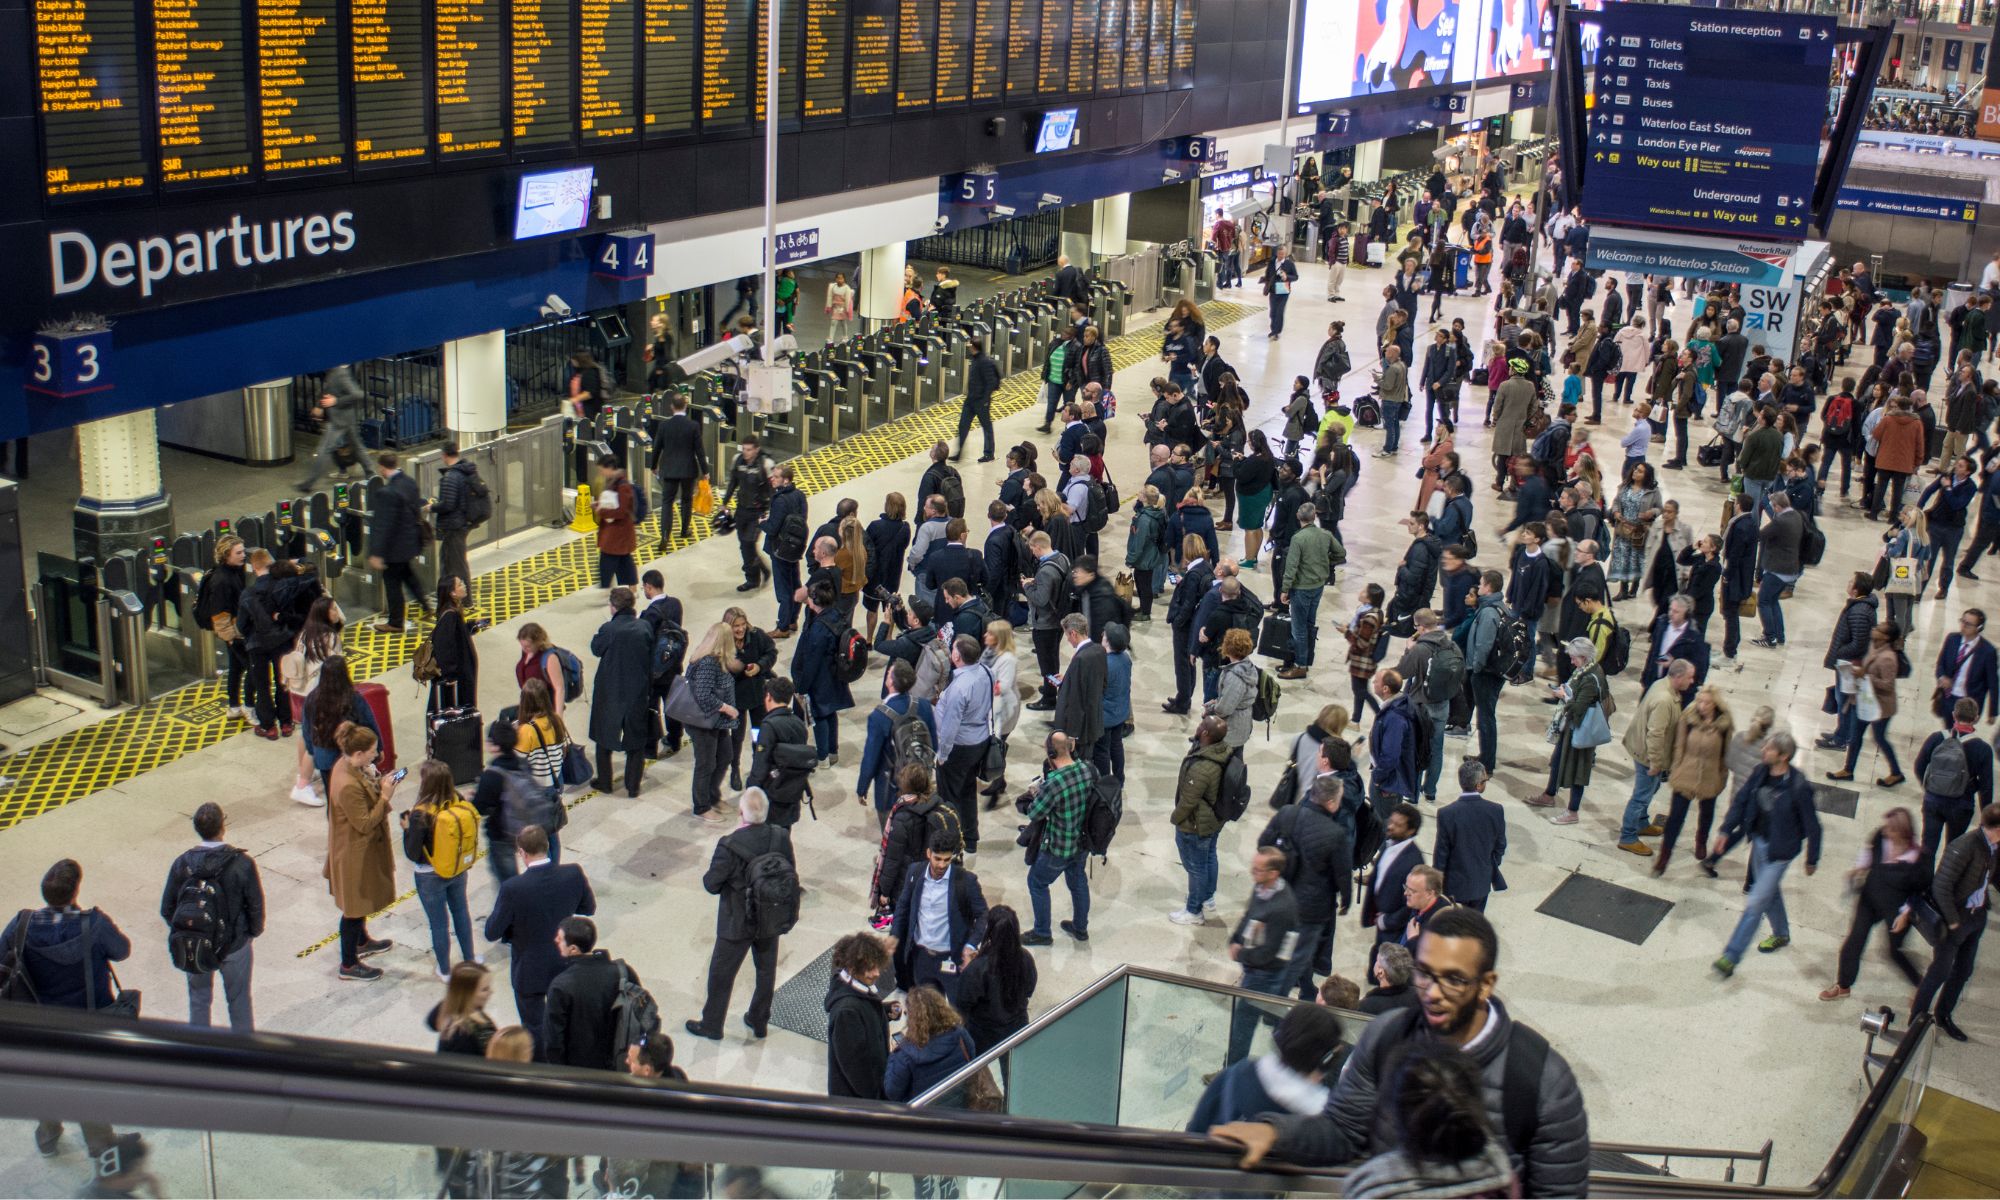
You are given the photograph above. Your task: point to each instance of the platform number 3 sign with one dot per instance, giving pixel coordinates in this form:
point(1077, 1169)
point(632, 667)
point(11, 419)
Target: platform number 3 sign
point(70, 364)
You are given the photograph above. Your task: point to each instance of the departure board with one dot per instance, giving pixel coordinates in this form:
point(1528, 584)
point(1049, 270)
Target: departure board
point(1183, 62)
point(298, 85)
point(1159, 45)
point(874, 90)
point(989, 50)
point(1110, 47)
point(391, 109)
point(823, 71)
point(607, 70)
point(726, 69)
point(1083, 49)
point(203, 104)
point(1023, 48)
point(471, 114)
point(93, 134)
point(672, 66)
point(1138, 14)
point(1052, 62)
point(788, 57)
point(916, 53)
point(954, 51)
point(543, 93)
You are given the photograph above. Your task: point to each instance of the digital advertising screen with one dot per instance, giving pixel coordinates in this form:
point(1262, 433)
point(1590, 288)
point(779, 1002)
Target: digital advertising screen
point(553, 202)
point(1058, 128)
point(1389, 46)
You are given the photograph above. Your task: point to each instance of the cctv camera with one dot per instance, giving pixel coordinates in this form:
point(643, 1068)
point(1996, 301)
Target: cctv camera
point(1049, 201)
point(1000, 210)
point(713, 355)
point(938, 226)
point(555, 306)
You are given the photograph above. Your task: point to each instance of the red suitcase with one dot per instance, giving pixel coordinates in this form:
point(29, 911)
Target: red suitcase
point(377, 697)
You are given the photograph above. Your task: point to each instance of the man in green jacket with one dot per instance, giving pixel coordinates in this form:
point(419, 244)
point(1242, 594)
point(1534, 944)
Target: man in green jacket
point(1309, 564)
point(1196, 824)
point(1763, 454)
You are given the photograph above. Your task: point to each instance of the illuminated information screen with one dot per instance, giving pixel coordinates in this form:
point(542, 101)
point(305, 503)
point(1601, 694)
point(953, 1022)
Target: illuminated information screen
point(543, 49)
point(1159, 45)
point(607, 67)
point(298, 85)
point(725, 62)
point(391, 109)
point(989, 50)
point(823, 71)
point(471, 116)
point(1052, 64)
point(874, 90)
point(93, 132)
point(1023, 47)
point(203, 105)
point(1110, 46)
point(1082, 49)
point(673, 48)
point(1183, 62)
point(916, 53)
point(1138, 14)
point(954, 51)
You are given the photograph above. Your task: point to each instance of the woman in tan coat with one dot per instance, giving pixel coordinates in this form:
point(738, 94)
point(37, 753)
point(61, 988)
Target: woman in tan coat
point(1700, 770)
point(360, 867)
point(1880, 668)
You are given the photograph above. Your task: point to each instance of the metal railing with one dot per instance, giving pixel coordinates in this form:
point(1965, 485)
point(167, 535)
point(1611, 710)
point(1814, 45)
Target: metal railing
point(1016, 246)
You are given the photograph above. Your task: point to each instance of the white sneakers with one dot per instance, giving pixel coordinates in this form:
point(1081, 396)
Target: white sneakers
point(303, 793)
point(1182, 916)
point(1208, 910)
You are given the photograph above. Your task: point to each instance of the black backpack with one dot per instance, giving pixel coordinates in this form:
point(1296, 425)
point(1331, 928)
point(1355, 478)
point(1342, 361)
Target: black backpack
point(850, 660)
point(1617, 650)
point(771, 895)
point(635, 1016)
point(15, 985)
point(952, 488)
point(478, 499)
point(1286, 839)
point(790, 540)
point(909, 738)
point(1444, 672)
point(1368, 833)
point(198, 928)
point(1232, 800)
point(1097, 517)
point(670, 643)
point(1100, 819)
point(1513, 648)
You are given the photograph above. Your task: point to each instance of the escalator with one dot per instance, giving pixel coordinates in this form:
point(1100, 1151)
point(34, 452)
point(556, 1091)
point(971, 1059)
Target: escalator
point(1085, 1102)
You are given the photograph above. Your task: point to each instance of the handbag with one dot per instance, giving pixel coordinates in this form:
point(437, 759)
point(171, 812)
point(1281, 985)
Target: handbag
point(1286, 793)
point(683, 707)
point(1592, 731)
point(1747, 607)
point(1926, 919)
point(704, 498)
point(124, 1000)
point(576, 766)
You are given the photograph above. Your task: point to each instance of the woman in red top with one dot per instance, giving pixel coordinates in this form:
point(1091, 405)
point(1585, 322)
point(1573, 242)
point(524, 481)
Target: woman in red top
point(538, 661)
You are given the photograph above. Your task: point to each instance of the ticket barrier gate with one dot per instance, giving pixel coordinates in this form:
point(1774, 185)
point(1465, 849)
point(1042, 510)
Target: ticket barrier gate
point(1109, 302)
point(1051, 314)
point(949, 354)
point(816, 401)
point(632, 441)
point(152, 624)
point(356, 585)
point(997, 328)
point(863, 400)
point(882, 368)
point(77, 622)
point(905, 378)
point(926, 349)
point(1030, 338)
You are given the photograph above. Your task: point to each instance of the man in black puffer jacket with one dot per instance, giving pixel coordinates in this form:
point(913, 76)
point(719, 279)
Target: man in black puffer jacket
point(1320, 867)
point(1417, 574)
point(1849, 644)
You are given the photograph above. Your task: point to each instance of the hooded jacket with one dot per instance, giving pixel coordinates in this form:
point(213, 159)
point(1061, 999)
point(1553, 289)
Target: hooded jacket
point(913, 1070)
point(857, 1039)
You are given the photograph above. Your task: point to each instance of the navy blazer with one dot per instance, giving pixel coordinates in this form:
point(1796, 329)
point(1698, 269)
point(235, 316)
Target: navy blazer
point(1982, 681)
point(1003, 574)
point(1689, 646)
point(948, 560)
point(525, 915)
point(1471, 841)
point(1391, 891)
point(1739, 559)
point(968, 916)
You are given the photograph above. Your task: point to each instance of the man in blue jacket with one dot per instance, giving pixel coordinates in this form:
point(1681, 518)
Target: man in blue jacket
point(877, 753)
point(1392, 746)
point(1774, 810)
point(1471, 840)
point(940, 920)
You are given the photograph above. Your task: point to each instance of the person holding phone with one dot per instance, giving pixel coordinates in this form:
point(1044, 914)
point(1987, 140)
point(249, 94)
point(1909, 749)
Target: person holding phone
point(360, 867)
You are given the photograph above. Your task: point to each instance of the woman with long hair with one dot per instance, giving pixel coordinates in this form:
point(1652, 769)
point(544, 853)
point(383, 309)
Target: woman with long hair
point(1666, 541)
point(1875, 701)
point(1699, 771)
point(542, 736)
point(441, 881)
point(852, 561)
point(460, 1019)
point(1000, 658)
point(888, 538)
point(318, 641)
point(1911, 538)
point(222, 588)
point(1440, 462)
point(360, 868)
point(1892, 870)
point(333, 703)
point(457, 682)
point(934, 1043)
point(1256, 483)
point(1226, 441)
point(752, 656)
point(539, 661)
point(709, 666)
point(995, 990)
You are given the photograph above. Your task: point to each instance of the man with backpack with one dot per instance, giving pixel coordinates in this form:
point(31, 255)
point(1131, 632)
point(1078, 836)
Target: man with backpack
point(463, 503)
point(1484, 666)
point(1956, 769)
point(756, 875)
point(1048, 602)
point(1396, 745)
point(213, 905)
point(782, 761)
point(901, 730)
point(1060, 802)
point(583, 1026)
point(1433, 671)
point(662, 617)
point(1319, 866)
point(818, 671)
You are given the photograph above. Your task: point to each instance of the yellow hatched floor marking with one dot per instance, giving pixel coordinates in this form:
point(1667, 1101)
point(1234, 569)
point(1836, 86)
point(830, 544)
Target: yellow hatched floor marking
point(130, 743)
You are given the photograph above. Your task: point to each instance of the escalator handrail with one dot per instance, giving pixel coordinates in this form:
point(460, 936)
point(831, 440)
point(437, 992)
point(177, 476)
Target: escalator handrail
point(267, 1083)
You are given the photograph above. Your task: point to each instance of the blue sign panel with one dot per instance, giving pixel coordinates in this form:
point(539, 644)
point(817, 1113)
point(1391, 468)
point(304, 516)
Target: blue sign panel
point(797, 246)
point(1905, 204)
point(1672, 142)
point(1744, 264)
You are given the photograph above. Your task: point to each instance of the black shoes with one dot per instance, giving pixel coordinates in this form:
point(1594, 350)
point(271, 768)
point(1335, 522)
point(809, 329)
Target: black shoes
point(694, 1027)
point(1081, 935)
point(1037, 939)
point(756, 1030)
point(375, 946)
point(1951, 1029)
point(360, 973)
point(746, 586)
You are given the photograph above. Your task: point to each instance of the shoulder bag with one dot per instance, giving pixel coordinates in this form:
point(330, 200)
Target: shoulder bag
point(124, 1001)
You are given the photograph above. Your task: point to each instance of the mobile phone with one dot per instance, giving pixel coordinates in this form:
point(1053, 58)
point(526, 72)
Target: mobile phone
point(396, 776)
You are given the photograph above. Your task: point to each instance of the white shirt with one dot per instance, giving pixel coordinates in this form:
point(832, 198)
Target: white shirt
point(1673, 634)
point(934, 912)
point(1390, 852)
point(1967, 649)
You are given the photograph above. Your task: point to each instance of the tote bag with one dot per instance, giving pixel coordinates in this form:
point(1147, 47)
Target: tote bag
point(1592, 731)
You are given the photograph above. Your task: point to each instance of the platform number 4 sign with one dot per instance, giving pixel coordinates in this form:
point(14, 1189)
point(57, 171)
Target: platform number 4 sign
point(70, 364)
point(624, 256)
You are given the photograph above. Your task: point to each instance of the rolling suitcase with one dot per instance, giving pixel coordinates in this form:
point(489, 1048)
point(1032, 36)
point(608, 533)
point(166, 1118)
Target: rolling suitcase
point(456, 737)
point(1274, 639)
point(377, 698)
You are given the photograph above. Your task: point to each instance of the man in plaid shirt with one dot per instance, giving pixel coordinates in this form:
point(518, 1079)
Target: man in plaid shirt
point(1060, 801)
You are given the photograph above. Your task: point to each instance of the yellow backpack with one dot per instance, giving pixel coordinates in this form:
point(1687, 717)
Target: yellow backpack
point(454, 839)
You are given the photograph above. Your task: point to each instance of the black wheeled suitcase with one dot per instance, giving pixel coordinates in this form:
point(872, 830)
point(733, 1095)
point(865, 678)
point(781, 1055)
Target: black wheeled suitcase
point(456, 737)
point(1274, 639)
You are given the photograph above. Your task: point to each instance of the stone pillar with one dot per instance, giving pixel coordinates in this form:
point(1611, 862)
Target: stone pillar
point(1108, 220)
point(124, 505)
point(880, 288)
point(474, 382)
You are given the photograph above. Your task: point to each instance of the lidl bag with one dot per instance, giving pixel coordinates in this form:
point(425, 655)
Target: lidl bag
point(704, 498)
point(1906, 577)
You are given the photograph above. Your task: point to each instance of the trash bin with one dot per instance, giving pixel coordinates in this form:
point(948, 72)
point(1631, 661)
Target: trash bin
point(1461, 267)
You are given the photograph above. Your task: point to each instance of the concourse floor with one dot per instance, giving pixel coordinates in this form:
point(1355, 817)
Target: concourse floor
point(1652, 1034)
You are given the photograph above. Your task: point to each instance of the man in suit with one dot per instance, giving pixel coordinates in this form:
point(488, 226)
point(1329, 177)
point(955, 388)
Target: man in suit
point(1966, 668)
point(1382, 906)
point(1471, 839)
point(735, 933)
point(1675, 635)
point(395, 538)
point(1423, 898)
point(939, 922)
point(526, 915)
point(677, 461)
point(1080, 697)
point(999, 567)
point(950, 559)
point(581, 1027)
point(1068, 283)
point(1739, 571)
point(1196, 577)
point(661, 612)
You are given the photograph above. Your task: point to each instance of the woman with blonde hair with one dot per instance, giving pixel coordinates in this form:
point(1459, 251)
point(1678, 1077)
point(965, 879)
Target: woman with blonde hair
point(710, 663)
point(934, 1043)
point(1910, 539)
point(1146, 545)
point(360, 868)
point(1891, 871)
point(1699, 771)
point(852, 561)
point(1000, 659)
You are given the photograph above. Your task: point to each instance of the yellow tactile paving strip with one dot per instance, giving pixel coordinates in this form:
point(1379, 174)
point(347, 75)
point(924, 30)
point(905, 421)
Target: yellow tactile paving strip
point(136, 741)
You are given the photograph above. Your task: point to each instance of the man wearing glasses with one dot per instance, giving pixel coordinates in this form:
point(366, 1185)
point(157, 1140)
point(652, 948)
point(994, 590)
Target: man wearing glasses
point(1539, 1109)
